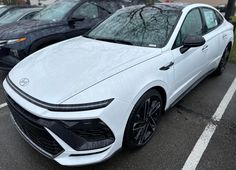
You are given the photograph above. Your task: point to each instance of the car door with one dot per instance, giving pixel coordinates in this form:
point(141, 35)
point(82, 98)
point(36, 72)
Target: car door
point(212, 36)
point(88, 14)
point(189, 65)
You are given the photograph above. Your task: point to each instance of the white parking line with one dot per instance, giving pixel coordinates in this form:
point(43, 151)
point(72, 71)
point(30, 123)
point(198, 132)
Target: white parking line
point(202, 143)
point(3, 105)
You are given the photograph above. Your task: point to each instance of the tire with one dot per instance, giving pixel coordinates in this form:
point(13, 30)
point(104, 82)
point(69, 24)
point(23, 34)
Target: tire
point(223, 62)
point(144, 120)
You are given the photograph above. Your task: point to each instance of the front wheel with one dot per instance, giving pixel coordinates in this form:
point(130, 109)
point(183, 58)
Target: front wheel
point(143, 120)
point(223, 62)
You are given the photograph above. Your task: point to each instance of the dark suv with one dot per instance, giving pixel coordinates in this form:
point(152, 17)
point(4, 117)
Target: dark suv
point(59, 21)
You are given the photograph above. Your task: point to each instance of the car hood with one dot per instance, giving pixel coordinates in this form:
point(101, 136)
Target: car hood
point(20, 28)
point(63, 70)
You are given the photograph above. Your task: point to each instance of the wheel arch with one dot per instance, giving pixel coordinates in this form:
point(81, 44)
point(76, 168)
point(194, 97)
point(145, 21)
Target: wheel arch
point(230, 45)
point(163, 93)
point(44, 42)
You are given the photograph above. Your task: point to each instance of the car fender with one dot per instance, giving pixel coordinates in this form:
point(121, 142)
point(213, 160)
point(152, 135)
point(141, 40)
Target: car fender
point(51, 39)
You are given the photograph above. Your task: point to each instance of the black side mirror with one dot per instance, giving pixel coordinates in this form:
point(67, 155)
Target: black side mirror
point(191, 42)
point(75, 19)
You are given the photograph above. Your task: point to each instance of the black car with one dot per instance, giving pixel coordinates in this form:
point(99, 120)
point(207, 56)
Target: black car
point(5, 9)
point(57, 22)
point(18, 14)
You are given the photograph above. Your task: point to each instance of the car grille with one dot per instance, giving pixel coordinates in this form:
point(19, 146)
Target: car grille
point(35, 132)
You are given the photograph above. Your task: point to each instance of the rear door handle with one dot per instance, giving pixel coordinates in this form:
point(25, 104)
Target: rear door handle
point(164, 68)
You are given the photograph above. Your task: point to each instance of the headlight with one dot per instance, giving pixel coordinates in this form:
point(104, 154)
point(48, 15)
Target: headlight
point(2, 43)
point(80, 107)
point(16, 40)
point(13, 41)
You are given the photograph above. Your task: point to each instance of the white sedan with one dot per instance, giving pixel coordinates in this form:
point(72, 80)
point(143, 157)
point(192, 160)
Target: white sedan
point(81, 100)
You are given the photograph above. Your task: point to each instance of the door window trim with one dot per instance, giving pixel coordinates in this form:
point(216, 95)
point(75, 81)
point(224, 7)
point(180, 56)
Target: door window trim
point(198, 8)
point(212, 29)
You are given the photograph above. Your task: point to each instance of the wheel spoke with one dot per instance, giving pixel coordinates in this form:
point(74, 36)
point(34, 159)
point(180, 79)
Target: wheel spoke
point(153, 123)
point(154, 109)
point(146, 108)
point(143, 135)
point(138, 125)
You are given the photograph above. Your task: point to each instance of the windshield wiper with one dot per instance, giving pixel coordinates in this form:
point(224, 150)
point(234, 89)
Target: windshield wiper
point(115, 41)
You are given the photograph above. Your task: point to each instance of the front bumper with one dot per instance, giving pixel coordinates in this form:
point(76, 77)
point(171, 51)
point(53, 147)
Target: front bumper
point(59, 142)
point(54, 139)
point(9, 58)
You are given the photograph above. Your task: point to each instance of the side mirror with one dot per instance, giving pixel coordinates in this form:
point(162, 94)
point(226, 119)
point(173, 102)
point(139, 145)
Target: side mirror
point(75, 19)
point(191, 42)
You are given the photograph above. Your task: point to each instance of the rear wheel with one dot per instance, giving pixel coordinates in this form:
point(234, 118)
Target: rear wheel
point(223, 62)
point(143, 120)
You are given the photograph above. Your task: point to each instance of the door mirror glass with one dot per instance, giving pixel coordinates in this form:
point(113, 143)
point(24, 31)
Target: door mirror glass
point(191, 42)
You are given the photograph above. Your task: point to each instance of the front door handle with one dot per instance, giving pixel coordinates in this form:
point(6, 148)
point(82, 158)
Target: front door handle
point(164, 68)
point(205, 48)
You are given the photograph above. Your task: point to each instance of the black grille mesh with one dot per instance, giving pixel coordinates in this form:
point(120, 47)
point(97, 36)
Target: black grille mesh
point(36, 133)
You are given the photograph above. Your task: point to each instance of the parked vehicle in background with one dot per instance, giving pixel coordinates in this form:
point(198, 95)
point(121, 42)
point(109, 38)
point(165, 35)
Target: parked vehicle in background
point(18, 14)
point(81, 100)
point(5, 9)
point(57, 22)
point(2, 6)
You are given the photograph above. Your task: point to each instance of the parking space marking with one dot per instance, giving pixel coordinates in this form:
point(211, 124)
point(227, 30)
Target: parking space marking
point(3, 105)
point(202, 143)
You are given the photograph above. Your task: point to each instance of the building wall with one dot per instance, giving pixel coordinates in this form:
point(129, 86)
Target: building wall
point(43, 2)
point(210, 2)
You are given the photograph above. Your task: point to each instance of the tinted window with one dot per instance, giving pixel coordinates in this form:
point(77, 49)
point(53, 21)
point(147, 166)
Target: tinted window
point(210, 18)
point(12, 16)
point(56, 11)
point(29, 16)
point(192, 26)
point(146, 26)
point(219, 18)
point(86, 10)
point(3, 9)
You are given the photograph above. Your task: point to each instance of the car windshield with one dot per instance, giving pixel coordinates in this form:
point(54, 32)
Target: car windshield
point(13, 15)
point(56, 11)
point(147, 26)
point(3, 9)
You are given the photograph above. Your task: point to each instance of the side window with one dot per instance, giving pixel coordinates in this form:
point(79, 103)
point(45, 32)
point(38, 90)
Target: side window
point(192, 26)
point(219, 18)
point(210, 18)
point(86, 10)
point(28, 16)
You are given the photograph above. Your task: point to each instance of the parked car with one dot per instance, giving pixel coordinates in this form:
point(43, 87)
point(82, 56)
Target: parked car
point(18, 15)
point(81, 100)
point(4, 9)
point(57, 22)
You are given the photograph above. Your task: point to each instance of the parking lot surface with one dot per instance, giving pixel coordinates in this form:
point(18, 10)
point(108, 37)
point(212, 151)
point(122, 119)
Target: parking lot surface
point(178, 133)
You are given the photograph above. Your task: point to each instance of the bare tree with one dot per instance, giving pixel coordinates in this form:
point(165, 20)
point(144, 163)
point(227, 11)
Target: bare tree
point(230, 9)
point(28, 2)
point(149, 2)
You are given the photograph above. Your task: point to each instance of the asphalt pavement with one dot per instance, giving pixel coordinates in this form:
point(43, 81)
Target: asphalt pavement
point(169, 149)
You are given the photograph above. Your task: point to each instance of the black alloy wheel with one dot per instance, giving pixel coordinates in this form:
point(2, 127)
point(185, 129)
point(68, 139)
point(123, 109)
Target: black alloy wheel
point(143, 120)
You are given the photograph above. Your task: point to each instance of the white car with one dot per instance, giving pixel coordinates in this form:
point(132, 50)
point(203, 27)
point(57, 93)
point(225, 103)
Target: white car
point(81, 100)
